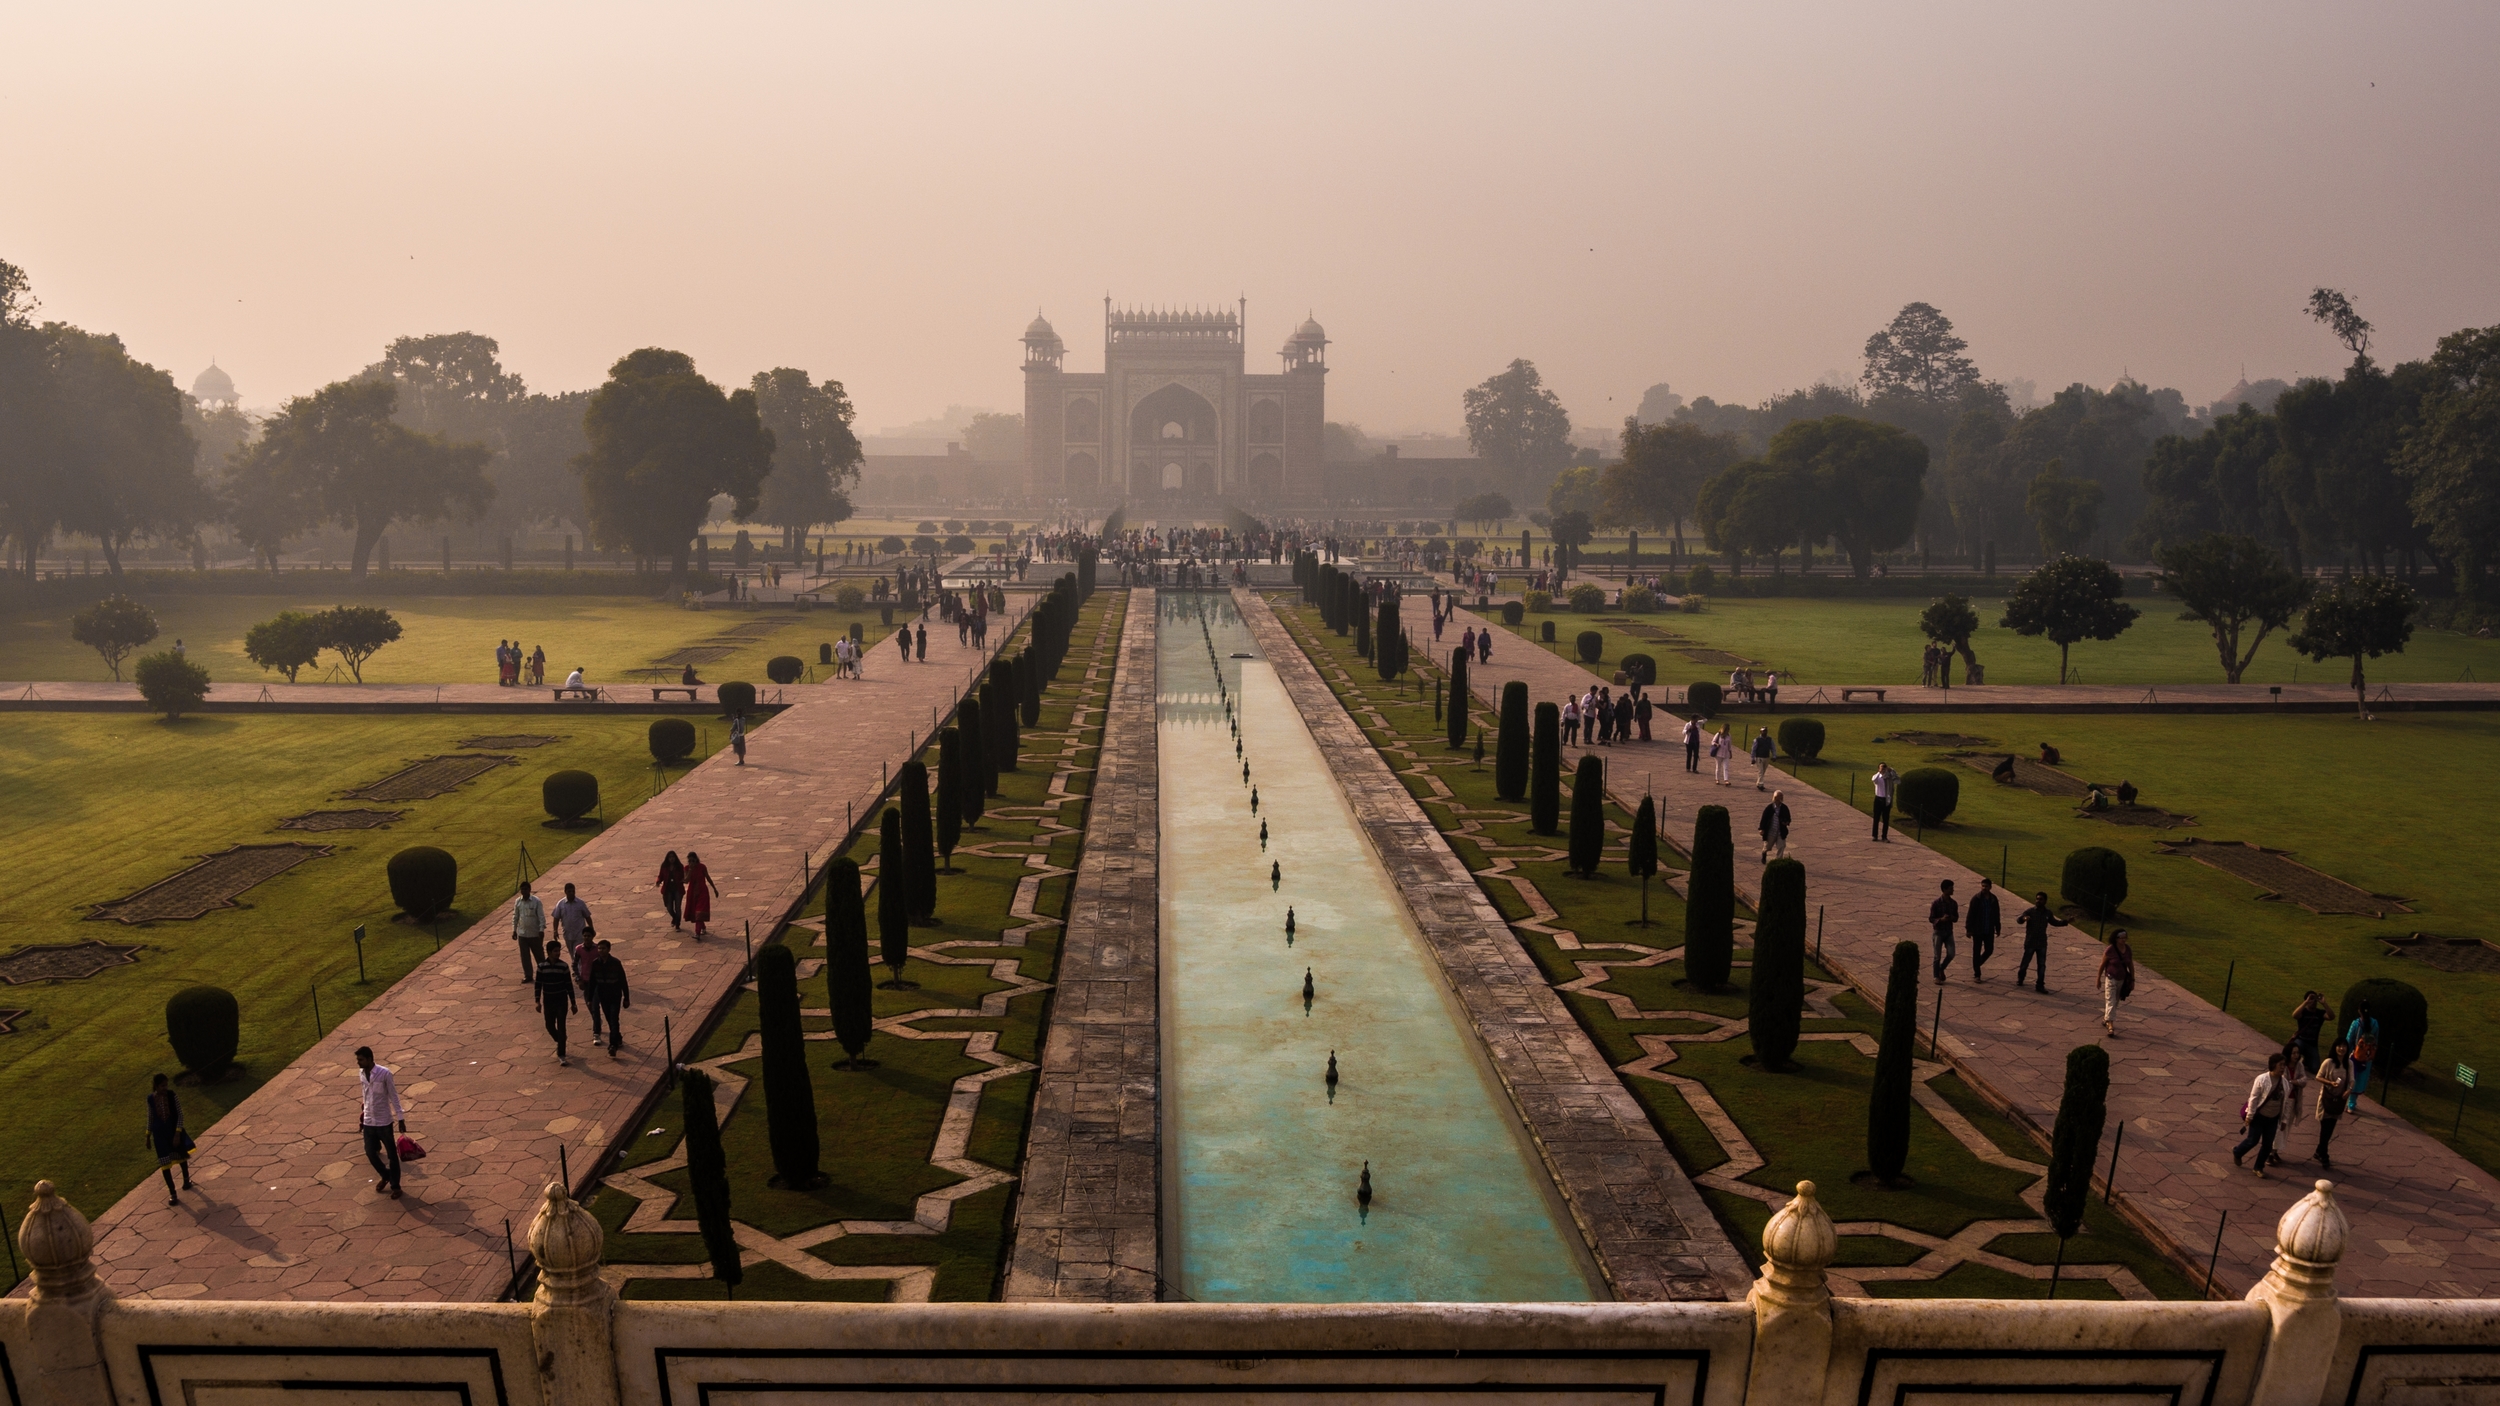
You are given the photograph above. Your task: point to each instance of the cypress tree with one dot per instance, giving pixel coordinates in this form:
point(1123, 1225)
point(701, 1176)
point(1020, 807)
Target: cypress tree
point(1776, 1005)
point(979, 779)
point(893, 905)
point(952, 782)
point(911, 782)
point(1710, 902)
point(1345, 602)
point(1588, 816)
point(1888, 1102)
point(1510, 745)
point(1386, 634)
point(1000, 716)
point(2074, 1145)
point(847, 977)
point(1545, 772)
point(1458, 701)
point(707, 1169)
point(789, 1096)
point(1029, 677)
point(1644, 858)
point(1362, 632)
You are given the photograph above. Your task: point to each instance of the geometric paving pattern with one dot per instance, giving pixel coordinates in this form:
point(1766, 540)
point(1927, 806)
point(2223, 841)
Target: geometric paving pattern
point(341, 820)
point(501, 741)
point(429, 778)
point(213, 883)
point(68, 961)
point(2281, 877)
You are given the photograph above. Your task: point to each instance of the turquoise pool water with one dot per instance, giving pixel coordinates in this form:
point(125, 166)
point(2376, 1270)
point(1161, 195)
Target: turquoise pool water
point(1262, 1162)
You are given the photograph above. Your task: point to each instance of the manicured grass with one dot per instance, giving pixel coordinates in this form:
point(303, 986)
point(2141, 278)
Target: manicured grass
point(878, 1125)
point(1878, 642)
point(1807, 1123)
point(104, 805)
point(445, 639)
point(2359, 801)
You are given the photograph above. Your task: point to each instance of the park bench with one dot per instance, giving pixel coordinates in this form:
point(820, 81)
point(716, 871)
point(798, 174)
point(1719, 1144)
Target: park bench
point(660, 688)
point(585, 694)
point(1847, 694)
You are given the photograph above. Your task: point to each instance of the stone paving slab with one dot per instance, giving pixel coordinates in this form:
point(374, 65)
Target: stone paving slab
point(2426, 1222)
point(1652, 1235)
point(285, 1207)
point(1089, 1224)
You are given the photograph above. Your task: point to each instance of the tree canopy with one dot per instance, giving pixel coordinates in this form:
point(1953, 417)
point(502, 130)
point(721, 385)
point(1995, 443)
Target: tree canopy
point(663, 443)
point(338, 455)
point(2358, 618)
point(1918, 355)
point(816, 458)
point(1483, 509)
point(2069, 599)
point(1950, 622)
point(1518, 426)
point(2230, 583)
point(1839, 477)
point(2453, 456)
point(2065, 511)
point(1657, 482)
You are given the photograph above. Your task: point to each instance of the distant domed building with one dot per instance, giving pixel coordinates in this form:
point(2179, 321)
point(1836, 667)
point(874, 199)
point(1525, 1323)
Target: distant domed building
point(1175, 411)
point(214, 389)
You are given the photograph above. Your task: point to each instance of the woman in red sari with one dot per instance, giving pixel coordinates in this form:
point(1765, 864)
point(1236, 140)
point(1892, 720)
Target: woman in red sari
point(672, 882)
point(699, 891)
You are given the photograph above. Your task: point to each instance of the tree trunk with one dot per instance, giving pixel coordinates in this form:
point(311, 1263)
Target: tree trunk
point(1861, 560)
point(112, 554)
point(366, 539)
point(2061, 664)
point(2360, 689)
point(677, 570)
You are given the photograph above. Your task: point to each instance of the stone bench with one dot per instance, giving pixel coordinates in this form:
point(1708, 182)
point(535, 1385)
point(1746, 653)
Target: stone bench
point(686, 689)
point(1847, 694)
point(585, 694)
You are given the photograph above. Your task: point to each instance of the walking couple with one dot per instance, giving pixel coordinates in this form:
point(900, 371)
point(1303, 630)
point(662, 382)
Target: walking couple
point(686, 889)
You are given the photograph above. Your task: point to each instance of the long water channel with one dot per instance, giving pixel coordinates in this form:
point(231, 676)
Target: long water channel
point(1262, 1155)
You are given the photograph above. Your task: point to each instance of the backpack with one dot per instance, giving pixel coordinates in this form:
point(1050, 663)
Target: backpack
point(2365, 1049)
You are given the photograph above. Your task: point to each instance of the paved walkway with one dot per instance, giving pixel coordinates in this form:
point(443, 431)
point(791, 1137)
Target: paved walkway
point(2425, 1221)
point(285, 1207)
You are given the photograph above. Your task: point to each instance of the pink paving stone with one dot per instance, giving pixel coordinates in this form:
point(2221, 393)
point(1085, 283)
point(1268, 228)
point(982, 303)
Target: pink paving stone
point(2392, 1176)
point(753, 822)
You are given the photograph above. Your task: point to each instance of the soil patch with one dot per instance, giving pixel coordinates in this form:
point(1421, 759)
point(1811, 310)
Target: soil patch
point(2150, 817)
point(1938, 739)
point(2028, 774)
point(2447, 954)
point(2276, 872)
point(502, 741)
point(215, 882)
point(699, 654)
point(429, 778)
point(1716, 657)
point(341, 820)
point(64, 961)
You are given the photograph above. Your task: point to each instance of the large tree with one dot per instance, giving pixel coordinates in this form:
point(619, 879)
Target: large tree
point(1518, 426)
point(2453, 454)
point(29, 489)
point(341, 457)
point(663, 443)
point(2069, 599)
point(1918, 355)
point(1852, 480)
point(816, 458)
point(451, 383)
point(1663, 467)
point(2229, 583)
point(2357, 618)
point(2064, 511)
point(126, 459)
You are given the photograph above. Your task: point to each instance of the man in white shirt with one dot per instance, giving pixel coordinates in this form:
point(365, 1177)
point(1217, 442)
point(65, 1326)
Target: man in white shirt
point(529, 929)
point(573, 682)
point(1883, 806)
point(381, 1109)
point(573, 920)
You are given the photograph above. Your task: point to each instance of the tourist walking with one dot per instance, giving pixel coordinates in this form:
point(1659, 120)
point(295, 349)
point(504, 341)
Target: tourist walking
point(921, 642)
point(609, 993)
point(2361, 1043)
point(1721, 750)
point(2308, 1018)
point(529, 929)
point(738, 737)
point(1467, 642)
point(672, 882)
point(1882, 780)
point(1981, 921)
point(554, 996)
point(2117, 978)
point(573, 919)
point(1641, 712)
point(2334, 1080)
point(902, 640)
point(699, 892)
point(1692, 745)
point(1775, 828)
point(2295, 1078)
point(1570, 721)
point(1762, 759)
point(381, 1109)
point(1484, 646)
point(169, 1138)
point(2036, 921)
point(1941, 916)
point(2262, 1114)
point(584, 958)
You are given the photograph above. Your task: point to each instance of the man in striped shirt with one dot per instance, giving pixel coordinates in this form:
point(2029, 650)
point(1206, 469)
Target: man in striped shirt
point(554, 994)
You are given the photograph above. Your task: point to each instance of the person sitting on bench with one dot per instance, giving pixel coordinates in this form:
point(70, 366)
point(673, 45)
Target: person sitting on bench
point(2004, 770)
point(688, 677)
point(2048, 755)
point(573, 684)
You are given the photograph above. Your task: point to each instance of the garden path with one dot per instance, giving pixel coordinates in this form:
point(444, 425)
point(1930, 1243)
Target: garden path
point(285, 1207)
point(2425, 1221)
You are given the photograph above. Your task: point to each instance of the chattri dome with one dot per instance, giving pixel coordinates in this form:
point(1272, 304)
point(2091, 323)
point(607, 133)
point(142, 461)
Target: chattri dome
point(213, 384)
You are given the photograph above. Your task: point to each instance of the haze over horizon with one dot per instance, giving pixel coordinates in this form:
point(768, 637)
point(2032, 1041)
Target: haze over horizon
point(1720, 198)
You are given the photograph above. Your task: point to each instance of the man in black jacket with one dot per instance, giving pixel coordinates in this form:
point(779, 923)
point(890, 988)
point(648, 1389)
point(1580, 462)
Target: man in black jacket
point(1981, 921)
point(1941, 916)
point(609, 993)
point(1775, 827)
point(2036, 921)
point(554, 994)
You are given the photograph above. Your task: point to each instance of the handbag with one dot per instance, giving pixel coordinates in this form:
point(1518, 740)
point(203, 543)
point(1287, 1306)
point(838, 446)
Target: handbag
point(182, 1140)
point(410, 1150)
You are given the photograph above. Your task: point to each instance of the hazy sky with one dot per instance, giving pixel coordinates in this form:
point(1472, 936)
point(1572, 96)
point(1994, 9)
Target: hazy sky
point(1726, 197)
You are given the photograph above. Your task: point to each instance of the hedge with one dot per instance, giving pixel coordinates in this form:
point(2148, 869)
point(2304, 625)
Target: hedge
point(424, 881)
point(1802, 738)
point(205, 1026)
point(1928, 794)
point(2095, 880)
point(569, 795)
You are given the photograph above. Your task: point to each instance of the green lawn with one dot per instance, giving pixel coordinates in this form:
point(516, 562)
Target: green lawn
point(877, 1126)
point(446, 639)
point(2344, 797)
point(1807, 1123)
point(1878, 642)
point(104, 805)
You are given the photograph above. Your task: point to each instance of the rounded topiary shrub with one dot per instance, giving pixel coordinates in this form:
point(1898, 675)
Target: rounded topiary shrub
point(672, 740)
point(1640, 600)
point(1545, 631)
point(569, 795)
point(2404, 1020)
point(424, 881)
point(1589, 645)
point(1802, 738)
point(1701, 580)
point(205, 1027)
point(849, 597)
point(1928, 794)
point(824, 653)
point(736, 696)
point(2095, 880)
point(1702, 698)
point(784, 668)
point(1538, 601)
point(1588, 599)
point(1640, 669)
point(1513, 612)
point(958, 544)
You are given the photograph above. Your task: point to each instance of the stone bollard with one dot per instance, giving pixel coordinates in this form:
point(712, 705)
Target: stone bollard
point(67, 1363)
point(574, 1318)
point(1792, 1303)
point(2300, 1290)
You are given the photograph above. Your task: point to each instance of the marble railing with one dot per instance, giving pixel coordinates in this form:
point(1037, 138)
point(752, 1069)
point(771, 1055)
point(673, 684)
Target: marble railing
point(71, 1343)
